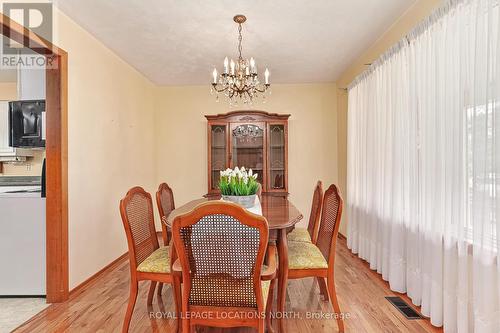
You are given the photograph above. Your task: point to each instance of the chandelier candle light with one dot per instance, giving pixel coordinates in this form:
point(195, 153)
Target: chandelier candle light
point(240, 81)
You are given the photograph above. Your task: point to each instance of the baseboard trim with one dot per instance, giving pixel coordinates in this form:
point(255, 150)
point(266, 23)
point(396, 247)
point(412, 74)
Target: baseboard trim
point(79, 288)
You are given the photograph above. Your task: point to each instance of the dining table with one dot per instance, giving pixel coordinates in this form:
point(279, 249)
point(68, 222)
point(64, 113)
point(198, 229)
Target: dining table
point(281, 216)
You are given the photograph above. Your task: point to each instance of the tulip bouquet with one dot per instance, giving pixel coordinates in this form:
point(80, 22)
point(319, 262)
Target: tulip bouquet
point(238, 182)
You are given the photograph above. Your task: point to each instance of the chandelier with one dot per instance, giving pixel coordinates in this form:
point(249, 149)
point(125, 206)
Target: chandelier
point(240, 81)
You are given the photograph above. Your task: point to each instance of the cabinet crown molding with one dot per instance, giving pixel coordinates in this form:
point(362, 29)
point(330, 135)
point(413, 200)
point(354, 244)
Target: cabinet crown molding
point(248, 115)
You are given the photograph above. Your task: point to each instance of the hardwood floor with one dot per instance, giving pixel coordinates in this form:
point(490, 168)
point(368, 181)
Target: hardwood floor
point(100, 306)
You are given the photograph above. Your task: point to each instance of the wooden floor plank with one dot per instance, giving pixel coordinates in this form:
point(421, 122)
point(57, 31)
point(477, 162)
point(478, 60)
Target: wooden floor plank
point(100, 306)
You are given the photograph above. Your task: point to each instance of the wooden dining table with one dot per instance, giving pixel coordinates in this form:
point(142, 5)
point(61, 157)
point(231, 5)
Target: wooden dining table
point(282, 216)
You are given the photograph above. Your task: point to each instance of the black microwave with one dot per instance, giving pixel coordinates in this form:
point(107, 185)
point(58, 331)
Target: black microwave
point(27, 124)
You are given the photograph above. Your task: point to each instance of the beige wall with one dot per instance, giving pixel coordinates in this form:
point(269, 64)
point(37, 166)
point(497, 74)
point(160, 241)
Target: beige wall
point(419, 11)
point(110, 137)
point(8, 91)
point(181, 137)
point(32, 166)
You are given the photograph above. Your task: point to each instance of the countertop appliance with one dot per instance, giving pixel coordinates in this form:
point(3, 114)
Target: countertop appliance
point(27, 124)
point(22, 237)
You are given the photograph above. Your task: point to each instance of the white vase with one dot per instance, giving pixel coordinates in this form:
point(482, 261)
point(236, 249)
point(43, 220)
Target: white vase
point(247, 201)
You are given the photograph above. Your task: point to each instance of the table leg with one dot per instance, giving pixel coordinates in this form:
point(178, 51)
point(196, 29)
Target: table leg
point(282, 277)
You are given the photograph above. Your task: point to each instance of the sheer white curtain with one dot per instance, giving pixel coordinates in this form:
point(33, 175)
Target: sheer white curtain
point(423, 159)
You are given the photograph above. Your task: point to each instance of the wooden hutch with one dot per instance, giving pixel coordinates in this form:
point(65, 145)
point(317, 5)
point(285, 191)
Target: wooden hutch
point(256, 140)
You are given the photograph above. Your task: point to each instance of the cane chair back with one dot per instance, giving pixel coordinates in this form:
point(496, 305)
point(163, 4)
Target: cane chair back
point(221, 248)
point(136, 210)
point(314, 217)
point(165, 203)
point(330, 222)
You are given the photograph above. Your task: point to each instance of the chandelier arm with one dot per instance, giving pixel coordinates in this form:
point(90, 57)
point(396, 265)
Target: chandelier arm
point(219, 89)
point(244, 89)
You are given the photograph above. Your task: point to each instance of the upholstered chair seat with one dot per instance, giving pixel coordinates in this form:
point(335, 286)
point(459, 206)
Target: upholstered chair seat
point(157, 262)
point(265, 289)
point(299, 235)
point(303, 255)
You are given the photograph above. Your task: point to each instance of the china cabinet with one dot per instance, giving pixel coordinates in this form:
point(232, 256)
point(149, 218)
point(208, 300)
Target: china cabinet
point(254, 139)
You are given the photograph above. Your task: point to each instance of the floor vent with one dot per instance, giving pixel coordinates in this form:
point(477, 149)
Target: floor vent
point(404, 308)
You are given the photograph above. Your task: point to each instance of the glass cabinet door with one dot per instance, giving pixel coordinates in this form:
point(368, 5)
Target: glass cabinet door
point(276, 157)
point(248, 148)
point(218, 153)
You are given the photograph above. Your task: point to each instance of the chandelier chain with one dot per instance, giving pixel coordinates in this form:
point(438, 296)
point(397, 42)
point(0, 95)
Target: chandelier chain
point(240, 38)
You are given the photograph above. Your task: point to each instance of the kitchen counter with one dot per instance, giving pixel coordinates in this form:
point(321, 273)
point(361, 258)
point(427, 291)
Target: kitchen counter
point(20, 187)
point(20, 192)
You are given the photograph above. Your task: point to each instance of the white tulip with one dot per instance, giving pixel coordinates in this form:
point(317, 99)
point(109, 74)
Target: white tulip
point(250, 172)
point(255, 175)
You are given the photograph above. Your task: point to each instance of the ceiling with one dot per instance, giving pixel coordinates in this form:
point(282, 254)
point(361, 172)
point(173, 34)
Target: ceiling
point(176, 42)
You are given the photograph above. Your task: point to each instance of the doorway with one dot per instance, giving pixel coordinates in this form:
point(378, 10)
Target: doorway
point(56, 141)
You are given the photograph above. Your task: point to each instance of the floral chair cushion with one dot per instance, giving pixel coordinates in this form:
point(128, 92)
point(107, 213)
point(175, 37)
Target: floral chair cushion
point(265, 290)
point(157, 262)
point(302, 255)
point(299, 235)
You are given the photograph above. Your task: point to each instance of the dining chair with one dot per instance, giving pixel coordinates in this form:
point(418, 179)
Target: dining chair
point(148, 261)
point(165, 204)
point(221, 249)
point(311, 233)
point(318, 260)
